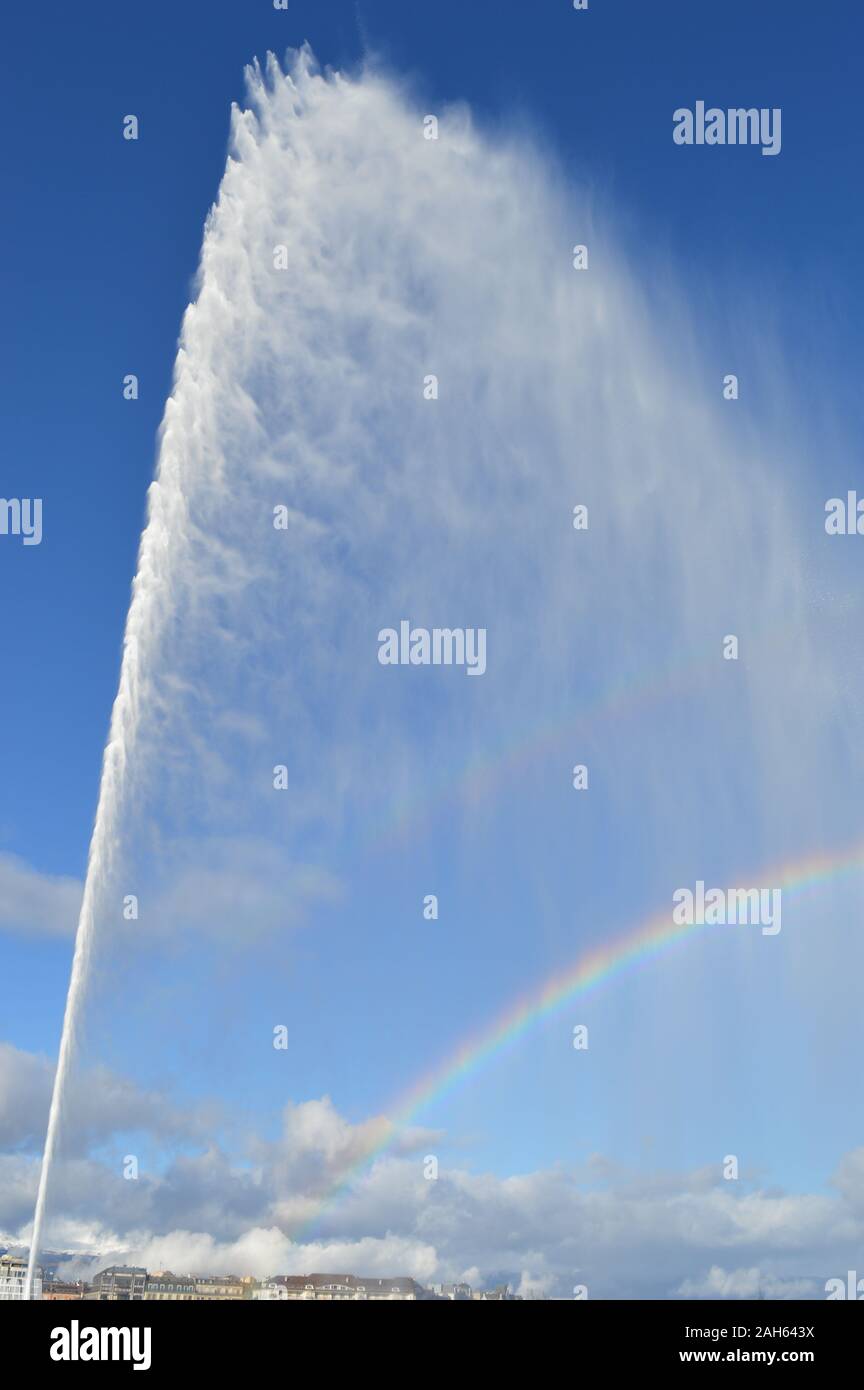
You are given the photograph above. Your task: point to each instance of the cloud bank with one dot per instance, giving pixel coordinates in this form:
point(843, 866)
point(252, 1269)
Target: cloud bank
point(663, 1235)
point(34, 902)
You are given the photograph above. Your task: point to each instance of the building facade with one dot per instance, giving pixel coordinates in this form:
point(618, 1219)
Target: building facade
point(330, 1287)
point(222, 1286)
point(13, 1279)
point(59, 1290)
point(174, 1288)
point(120, 1283)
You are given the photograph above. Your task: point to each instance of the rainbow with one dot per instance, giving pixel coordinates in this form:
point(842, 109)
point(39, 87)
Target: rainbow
point(654, 935)
point(620, 701)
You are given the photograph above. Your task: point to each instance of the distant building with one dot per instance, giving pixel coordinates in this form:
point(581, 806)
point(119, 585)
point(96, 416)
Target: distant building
point(13, 1278)
point(464, 1293)
point(222, 1286)
point(346, 1286)
point(58, 1289)
point(174, 1288)
point(119, 1283)
point(270, 1293)
point(388, 1288)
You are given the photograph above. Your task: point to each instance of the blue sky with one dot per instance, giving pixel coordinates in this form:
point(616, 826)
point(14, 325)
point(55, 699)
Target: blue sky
point(102, 244)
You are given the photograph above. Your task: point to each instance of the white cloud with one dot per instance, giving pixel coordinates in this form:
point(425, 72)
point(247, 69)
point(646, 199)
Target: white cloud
point(34, 902)
point(748, 1284)
point(267, 1250)
point(623, 1235)
point(100, 1104)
